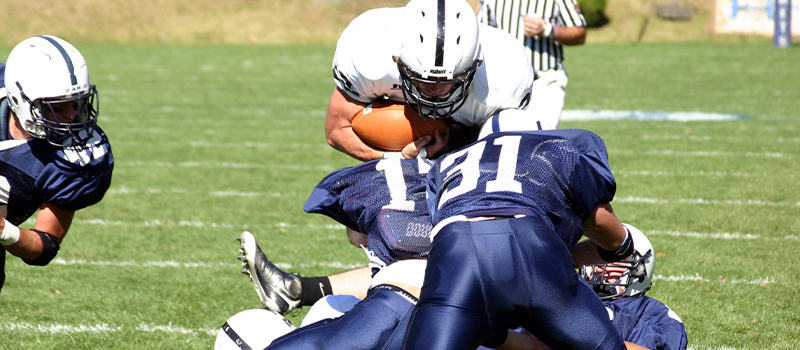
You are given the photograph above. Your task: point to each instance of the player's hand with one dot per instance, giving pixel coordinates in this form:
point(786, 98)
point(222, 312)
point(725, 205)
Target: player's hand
point(412, 150)
point(534, 25)
point(440, 142)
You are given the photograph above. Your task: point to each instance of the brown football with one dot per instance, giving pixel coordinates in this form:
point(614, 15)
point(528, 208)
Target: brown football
point(390, 126)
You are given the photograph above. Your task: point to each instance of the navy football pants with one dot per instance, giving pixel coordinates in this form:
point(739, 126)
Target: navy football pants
point(378, 323)
point(484, 277)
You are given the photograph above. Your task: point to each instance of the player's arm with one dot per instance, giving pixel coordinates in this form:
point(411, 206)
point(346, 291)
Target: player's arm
point(606, 232)
point(357, 239)
point(39, 248)
point(632, 346)
point(339, 131)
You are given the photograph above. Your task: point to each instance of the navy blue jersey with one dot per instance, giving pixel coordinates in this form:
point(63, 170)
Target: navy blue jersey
point(384, 199)
point(558, 175)
point(33, 172)
point(647, 322)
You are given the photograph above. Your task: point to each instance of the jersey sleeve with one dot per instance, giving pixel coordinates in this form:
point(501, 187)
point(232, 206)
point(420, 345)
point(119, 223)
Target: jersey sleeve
point(569, 14)
point(78, 177)
point(363, 64)
point(326, 199)
point(591, 181)
point(503, 81)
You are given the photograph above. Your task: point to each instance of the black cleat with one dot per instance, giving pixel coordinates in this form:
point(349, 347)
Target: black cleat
point(277, 289)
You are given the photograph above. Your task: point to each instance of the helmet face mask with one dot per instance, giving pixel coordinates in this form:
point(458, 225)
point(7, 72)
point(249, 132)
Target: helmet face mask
point(450, 93)
point(615, 280)
point(47, 81)
point(627, 278)
point(45, 118)
point(439, 55)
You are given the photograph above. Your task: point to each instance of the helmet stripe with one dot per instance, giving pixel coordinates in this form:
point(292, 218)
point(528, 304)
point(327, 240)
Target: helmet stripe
point(235, 337)
point(68, 60)
point(440, 35)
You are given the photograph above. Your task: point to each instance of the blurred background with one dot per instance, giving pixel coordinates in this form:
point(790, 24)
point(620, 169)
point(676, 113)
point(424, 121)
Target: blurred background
point(321, 21)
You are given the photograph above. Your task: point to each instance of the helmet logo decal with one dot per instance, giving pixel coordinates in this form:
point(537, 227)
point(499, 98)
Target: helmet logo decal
point(440, 35)
point(68, 60)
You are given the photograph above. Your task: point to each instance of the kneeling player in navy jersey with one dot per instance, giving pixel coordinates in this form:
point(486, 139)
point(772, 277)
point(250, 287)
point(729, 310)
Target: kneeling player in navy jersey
point(53, 156)
point(506, 211)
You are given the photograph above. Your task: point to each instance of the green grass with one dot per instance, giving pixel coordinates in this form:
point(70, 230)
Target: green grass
point(211, 141)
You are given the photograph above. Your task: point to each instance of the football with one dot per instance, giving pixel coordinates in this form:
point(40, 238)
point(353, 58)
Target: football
point(390, 126)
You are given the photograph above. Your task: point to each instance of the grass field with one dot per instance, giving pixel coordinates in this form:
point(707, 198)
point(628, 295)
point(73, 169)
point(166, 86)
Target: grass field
point(210, 141)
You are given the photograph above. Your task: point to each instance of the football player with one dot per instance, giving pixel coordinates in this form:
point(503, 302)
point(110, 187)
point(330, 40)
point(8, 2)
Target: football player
point(506, 211)
point(434, 56)
point(53, 156)
point(622, 286)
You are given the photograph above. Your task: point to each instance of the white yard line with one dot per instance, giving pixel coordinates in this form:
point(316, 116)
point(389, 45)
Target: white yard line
point(204, 265)
point(570, 115)
point(57, 328)
point(734, 202)
point(702, 153)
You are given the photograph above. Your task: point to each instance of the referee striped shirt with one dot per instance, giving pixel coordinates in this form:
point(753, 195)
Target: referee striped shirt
point(546, 53)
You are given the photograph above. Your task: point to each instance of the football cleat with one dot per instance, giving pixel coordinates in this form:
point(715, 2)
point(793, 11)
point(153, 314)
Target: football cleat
point(280, 291)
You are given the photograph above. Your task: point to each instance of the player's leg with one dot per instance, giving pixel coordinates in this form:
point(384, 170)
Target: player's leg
point(330, 306)
point(353, 282)
point(281, 291)
point(378, 320)
point(563, 311)
point(451, 311)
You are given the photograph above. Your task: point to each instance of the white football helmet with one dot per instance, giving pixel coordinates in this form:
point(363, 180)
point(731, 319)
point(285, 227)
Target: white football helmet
point(252, 329)
point(43, 75)
point(439, 55)
point(626, 278)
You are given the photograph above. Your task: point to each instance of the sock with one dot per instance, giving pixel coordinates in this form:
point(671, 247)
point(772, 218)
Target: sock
point(314, 288)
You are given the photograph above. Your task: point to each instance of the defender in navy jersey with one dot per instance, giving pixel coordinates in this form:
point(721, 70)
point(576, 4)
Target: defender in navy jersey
point(382, 204)
point(507, 209)
point(54, 159)
point(386, 200)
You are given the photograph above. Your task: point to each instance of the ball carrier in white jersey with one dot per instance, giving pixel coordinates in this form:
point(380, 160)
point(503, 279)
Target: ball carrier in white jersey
point(482, 70)
point(434, 56)
point(544, 27)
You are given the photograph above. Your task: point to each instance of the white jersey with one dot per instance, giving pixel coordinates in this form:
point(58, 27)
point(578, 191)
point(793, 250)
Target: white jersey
point(364, 67)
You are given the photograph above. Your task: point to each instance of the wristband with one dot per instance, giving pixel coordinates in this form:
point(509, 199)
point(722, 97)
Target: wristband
point(10, 234)
point(423, 153)
point(393, 155)
point(624, 250)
